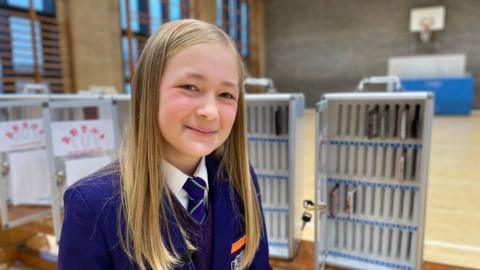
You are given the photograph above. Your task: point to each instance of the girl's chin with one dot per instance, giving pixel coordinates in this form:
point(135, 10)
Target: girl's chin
point(199, 150)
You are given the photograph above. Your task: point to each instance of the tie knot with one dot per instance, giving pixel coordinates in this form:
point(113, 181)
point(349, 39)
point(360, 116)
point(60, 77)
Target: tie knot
point(195, 188)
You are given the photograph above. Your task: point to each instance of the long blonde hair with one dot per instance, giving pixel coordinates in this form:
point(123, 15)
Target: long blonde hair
point(143, 186)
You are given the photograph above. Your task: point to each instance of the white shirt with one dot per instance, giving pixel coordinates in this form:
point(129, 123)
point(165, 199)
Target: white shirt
point(176, 179)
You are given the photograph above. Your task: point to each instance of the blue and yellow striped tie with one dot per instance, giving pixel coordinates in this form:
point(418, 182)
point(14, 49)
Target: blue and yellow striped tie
point(196, 189)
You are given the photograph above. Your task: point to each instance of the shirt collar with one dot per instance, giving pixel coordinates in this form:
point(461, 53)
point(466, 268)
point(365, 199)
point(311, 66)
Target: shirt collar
point(176, 178)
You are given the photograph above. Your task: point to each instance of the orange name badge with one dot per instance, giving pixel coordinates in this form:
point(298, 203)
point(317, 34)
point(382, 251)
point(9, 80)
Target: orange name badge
point(238, 244)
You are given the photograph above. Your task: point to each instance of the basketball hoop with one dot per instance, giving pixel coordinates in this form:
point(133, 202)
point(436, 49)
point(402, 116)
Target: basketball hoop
point(425, 21)
point(426, 32)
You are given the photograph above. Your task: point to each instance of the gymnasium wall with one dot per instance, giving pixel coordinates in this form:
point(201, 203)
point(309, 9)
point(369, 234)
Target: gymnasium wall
point(319, 46)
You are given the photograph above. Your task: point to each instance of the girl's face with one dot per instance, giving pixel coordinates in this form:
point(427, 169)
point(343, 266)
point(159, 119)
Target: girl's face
point(198, 102)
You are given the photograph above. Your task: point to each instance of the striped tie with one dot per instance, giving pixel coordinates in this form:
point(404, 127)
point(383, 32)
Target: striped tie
point(196, 189)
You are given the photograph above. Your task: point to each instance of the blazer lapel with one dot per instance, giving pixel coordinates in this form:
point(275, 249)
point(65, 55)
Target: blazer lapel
point(223, 225)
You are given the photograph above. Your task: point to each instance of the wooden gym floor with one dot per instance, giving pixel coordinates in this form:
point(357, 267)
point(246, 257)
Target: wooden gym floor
point(452, 233)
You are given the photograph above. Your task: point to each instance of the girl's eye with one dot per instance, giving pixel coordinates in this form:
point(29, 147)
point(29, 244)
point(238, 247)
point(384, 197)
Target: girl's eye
point(189, 87)
point(227, 95)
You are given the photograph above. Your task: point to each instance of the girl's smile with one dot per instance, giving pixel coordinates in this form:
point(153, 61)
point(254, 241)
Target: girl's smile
point(202, 131)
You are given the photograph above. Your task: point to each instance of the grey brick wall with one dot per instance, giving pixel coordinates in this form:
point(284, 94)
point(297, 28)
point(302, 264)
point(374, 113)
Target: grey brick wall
point(318, 46)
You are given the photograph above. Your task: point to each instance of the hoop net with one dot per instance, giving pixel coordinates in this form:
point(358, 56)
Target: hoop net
point(426, 33)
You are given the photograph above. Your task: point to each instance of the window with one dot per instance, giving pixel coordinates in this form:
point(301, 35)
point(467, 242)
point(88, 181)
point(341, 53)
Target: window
point(29, 45)
point(146, 16)
point(232, 16)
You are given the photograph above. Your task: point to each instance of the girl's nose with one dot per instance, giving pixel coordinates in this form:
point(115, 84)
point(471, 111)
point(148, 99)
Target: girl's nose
point(208, 109)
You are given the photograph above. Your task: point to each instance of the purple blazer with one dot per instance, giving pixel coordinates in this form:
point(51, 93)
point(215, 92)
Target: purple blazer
point(89, 238)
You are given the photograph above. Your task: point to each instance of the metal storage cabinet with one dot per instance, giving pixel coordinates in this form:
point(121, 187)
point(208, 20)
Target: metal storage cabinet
point(22, 144)
point(77, 128)
point(275, 125)
point(372, 152)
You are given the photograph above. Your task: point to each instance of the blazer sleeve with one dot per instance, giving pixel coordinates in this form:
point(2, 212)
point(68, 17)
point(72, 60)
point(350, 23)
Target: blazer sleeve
point(82, 243)
point(260, 262)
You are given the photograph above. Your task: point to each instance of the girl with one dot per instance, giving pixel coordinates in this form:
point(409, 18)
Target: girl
point(182, 195)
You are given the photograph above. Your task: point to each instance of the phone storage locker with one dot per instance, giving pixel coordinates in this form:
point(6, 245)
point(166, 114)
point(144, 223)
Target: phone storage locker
point(81, 139)
point(23, 157)
point(275, 125)
point(372, 174)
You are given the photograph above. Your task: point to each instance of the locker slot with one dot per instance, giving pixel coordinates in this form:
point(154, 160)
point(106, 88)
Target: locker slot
point(332, 234)
point(396, 121)
point(381, 199)
point(261, 185)
point(402, 165)
point(393, 163)
point(357, 121)
point(341, 200)
point(398, 243)
point(384, 122)
point(383, 163)
point(285, 158)
point(362, 197)
point(350, 200)
point(415, 125)
point(389, 245)
point(370, 198)
point(268, 120)
point(377, 161)
point(278, 224)
point(255, 117)
point(279, 121)
point(404, 245)
point(340, 120)
point(263, 116)
point(401, 204)
point(409, 246)
point(413, 175)
point(362, 238)
point(336, 242)
point(373, 122)
point(369, 239)
point(334, 197)
point(378, 233)
point(385, 242)
point(354, 163)
point(342, 241)
point(345, 159)
point(275, 192)
point(413, 206)
point(365, 122)
point(358, 238)
point(349, 236)
point(287, 120)
point(404, 122)
point(407, 200)
point(349, 117)
point(390, 202)
point(369, 162)
point(261, 157)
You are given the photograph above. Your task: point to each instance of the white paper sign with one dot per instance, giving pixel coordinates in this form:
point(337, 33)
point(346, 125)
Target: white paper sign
point(80, 137)
point(77, 169)
point(29, 177)
point(21, 135)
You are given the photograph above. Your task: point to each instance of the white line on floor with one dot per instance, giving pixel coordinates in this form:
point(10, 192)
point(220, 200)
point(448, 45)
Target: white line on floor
point(452, 246)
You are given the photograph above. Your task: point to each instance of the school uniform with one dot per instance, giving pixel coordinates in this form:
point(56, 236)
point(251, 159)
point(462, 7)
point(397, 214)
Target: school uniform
point(90, 238)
